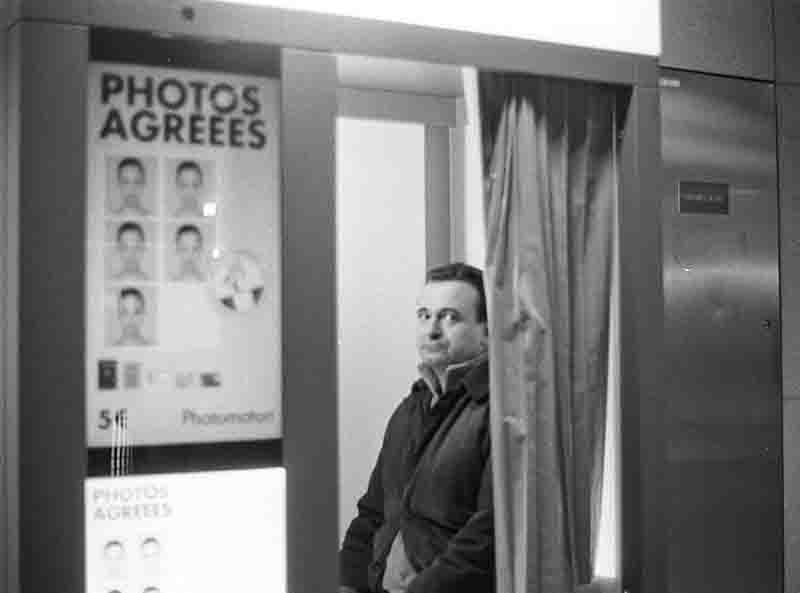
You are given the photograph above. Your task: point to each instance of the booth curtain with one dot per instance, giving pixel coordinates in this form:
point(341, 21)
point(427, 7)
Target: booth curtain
point(550, 194)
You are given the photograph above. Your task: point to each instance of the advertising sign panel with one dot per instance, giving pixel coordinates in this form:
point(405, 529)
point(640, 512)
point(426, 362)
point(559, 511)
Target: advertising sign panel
point(183, 256)
point(187, 533)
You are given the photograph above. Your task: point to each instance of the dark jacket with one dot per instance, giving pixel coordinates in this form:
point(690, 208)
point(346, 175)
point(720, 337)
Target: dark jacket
point(433, 482)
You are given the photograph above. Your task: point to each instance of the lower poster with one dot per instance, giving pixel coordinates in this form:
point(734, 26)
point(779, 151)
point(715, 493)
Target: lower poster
point(187, 533)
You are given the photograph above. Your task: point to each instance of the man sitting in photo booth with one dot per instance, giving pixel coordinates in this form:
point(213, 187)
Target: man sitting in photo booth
point(425, 523)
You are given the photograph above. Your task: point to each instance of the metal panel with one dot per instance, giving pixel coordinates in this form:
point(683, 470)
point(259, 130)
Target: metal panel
point(52, 193)
point(308, 128)
point(733, 37)
point(722, 335)
point(787, 41)
point(51, 10)
point(9, 312)
point(791, 442)
point(8, 13)
point(789, 155)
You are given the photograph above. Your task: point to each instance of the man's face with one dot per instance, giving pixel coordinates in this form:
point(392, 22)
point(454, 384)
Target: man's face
point(130, 246)
point(189, 182)
point(188, 246)
point(130, 179)
point(131, 313)
point(448, 330)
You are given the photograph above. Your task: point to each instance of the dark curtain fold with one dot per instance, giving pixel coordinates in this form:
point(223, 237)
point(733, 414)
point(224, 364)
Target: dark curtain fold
point(550, 165)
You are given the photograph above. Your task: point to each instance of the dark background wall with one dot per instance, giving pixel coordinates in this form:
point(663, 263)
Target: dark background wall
point(741, 38)
point(732, 37)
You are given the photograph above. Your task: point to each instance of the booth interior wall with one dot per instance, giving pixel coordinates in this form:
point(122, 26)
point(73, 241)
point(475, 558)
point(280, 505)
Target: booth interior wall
point(380, 268)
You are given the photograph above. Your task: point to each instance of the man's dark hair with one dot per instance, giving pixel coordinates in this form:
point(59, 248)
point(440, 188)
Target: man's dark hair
point(188, 166)
point(130, 162)
point(188, 228)
point(134, 292)
point(130, 226)
point(462, 272)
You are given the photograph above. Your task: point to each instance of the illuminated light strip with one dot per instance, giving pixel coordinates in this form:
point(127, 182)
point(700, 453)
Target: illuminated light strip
point(631, 26)
point(121, 451)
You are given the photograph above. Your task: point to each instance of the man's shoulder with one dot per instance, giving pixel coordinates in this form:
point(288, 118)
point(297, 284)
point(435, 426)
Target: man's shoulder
point(416, 394)
point(412, 400)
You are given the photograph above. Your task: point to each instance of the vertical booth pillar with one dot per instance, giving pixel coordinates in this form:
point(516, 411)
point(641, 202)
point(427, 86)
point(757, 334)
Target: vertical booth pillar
point(308, 95)
point(46, 415)
point(643, 544)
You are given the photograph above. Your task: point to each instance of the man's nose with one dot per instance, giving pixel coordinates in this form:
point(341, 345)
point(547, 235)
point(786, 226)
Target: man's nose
point(435, 328)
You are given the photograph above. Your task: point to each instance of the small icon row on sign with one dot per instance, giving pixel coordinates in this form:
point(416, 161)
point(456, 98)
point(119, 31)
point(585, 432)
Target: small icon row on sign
point(134, 376)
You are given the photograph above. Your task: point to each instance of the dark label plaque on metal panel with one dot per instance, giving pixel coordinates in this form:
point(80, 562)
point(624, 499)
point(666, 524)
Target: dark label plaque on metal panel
point(700, 197)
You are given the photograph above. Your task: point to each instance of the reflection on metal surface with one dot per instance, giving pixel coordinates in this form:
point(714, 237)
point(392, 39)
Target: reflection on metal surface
point(709, 246)
point(721, 299)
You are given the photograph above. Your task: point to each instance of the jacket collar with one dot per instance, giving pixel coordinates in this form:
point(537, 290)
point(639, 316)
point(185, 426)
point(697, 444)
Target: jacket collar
point(472, 374)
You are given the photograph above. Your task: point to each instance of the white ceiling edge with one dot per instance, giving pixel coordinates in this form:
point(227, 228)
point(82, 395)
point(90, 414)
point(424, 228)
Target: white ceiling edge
point(628, 26)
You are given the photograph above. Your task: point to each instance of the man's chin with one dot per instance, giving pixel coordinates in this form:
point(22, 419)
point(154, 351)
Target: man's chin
point(434, 360)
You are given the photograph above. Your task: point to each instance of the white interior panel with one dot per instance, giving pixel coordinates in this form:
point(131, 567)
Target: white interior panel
point(380, 176)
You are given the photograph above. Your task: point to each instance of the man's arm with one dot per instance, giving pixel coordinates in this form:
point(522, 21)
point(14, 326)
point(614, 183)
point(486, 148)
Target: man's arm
point(467, 564)
point(356, 552)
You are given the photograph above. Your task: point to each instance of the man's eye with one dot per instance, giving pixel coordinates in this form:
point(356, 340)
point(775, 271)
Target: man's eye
point(450, 316)
point(421, 314)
